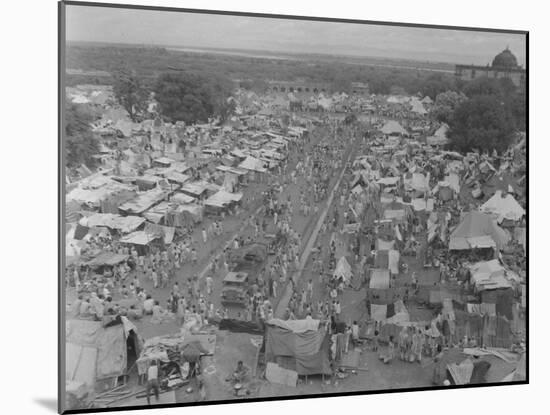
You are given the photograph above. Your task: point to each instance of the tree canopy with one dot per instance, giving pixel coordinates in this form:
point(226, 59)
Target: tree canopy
point(481, 123)
point(130, 93)
point(436, 84)
point(192, 97)
point(80, 143)
point(446, 103)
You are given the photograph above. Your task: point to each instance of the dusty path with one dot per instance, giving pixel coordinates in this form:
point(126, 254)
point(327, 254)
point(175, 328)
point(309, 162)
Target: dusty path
point(297, 275)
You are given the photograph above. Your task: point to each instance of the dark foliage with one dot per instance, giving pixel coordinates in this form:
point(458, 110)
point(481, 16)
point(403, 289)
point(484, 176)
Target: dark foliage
point(192, 97)
point(482, 123)
point(80, 143)
point(130, 93)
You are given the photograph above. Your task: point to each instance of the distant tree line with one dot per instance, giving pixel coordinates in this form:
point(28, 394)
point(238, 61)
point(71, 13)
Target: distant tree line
point(482, 114)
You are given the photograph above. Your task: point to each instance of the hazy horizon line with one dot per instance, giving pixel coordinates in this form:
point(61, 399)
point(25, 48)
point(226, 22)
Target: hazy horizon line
point(273, 51)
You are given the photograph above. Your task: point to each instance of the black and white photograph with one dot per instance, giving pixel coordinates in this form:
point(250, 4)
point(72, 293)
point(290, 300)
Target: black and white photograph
point(266, 207)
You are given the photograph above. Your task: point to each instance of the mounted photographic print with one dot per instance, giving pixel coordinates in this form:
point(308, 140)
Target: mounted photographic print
point(259, 207)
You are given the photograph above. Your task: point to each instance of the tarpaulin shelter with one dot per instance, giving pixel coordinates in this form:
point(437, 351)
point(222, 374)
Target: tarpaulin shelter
point(253, 164)
point(194, 189)
point(169, 348)
point(192, 211)
point(417, 107)
point(95, 189)
point(503, 206)
point(417, 181)
point(182, 198)
point(380, 279)
point(477, 230)
point(140, 238)
point(443, 190)
point(382, 245)
point(94, 352)
point(299, 345)
point(124, 224)
point(393, 261)
point(439, 138)
point(223, 199)
point(489, 275)
point(144, 201)
point(165, 232)
point(177, 178)
point(420, 204)
point(165, 213)
point(393, 128)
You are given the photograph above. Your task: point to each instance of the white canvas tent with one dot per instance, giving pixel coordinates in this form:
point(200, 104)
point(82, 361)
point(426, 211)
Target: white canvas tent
point(343, 269)
point(253, 164)
point(223, 198)
point(417, 107)
point(440, 136)
point(503, 207)
point(487, 275)
point(477, 230)
point(393, 128)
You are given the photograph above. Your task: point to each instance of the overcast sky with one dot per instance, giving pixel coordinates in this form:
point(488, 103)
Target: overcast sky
point(102, 24)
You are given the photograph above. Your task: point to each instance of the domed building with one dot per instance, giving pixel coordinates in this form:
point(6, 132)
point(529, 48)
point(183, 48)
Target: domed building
point(504, 65)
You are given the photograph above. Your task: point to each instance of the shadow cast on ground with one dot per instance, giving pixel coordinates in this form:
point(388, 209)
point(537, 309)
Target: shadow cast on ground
point(48, 403)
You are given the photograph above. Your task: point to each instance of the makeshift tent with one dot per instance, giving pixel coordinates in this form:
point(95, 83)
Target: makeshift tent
point(159, 231)
point(123, 224)
point(223, 198)
point(343, 269)
point(417, 181)
point(503, 207)
point(144, 201)
point(444, 191)
point(417, 107)
point(95, 189)
point(477, 230)
point(440, 136)
point(380, 279)
point(182, 198)
point(94, 352)
point(422, 205)
point(253, 164)
point(393, 128)
point(194, 189)
point(139, 238)
point(393, 261)
point(177, 178)
point(298, 346)
point(175, 348)
point(489, 275)
point(382, 245)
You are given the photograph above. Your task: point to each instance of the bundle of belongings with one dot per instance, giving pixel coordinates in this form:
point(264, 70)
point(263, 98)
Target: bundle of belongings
point(179, 356)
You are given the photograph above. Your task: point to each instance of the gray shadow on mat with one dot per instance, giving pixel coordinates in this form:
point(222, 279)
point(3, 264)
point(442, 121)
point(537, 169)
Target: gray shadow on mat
point(48, 403)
